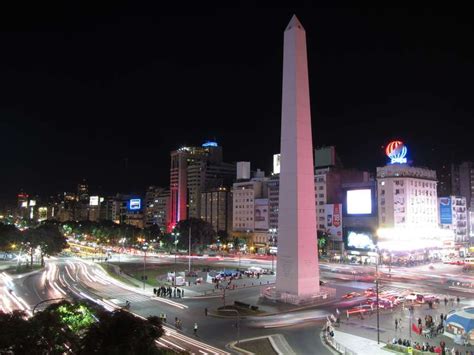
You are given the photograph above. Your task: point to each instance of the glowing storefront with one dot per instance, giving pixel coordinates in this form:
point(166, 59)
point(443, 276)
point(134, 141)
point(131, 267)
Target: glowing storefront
point(408, 205)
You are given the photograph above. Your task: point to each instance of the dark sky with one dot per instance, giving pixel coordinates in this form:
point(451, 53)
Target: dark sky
point(105, 93)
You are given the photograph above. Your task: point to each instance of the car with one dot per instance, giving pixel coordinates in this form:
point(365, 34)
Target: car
point(383, 303)
point(359, 310)
point(415, 297)
point(351, 295)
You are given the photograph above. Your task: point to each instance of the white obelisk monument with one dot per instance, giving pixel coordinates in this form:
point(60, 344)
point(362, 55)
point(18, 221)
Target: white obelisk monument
point(298, 266)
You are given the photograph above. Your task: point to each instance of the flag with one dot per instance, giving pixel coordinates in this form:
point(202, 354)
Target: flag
point(415, 328)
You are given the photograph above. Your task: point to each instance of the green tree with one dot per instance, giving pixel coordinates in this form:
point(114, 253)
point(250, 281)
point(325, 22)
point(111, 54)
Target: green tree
point(47, 238)
point(323, 238)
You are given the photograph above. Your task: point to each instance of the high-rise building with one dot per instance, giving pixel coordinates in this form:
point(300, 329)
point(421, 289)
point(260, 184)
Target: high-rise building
point(462, 181)
point(156, 206)
point(444, 180)
point(216, 208)
point(194, 170)
point(454, 215)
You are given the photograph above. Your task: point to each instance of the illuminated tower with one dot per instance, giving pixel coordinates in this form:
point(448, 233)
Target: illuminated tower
point(298, 268)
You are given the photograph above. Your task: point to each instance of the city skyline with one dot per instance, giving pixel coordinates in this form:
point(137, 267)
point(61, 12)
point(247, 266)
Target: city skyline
point(98, 98)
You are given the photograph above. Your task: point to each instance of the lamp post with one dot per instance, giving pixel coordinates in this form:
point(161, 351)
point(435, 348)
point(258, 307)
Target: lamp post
point(145, 248)
point(377, 292)
point(189, 251)
point(175, 235)
point(238, 321)
point(273, 231)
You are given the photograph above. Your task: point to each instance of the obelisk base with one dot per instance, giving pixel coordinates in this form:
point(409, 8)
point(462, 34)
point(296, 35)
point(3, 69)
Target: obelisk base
point(325, 295)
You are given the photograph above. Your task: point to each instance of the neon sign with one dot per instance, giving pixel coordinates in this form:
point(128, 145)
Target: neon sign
point(397, 152)
point(135, 204)
point(209, 144)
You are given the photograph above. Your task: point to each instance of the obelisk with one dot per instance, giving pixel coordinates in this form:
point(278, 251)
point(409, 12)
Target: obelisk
point(298, 267)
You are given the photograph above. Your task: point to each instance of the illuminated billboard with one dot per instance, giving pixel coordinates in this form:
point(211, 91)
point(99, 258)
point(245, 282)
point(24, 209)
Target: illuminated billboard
point(445, 210)
point(261, 213)
point(359, 202)
point(276, 163)
point(397, 152)
point(360, 239)
point(94, 200)
point(134, 204)
point(32, 202)
point(334, 220)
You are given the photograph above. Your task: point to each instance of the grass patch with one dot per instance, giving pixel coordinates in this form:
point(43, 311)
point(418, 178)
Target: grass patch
point(242, 311)
point(258, 346)
point(111, 271)
point(22, 269)
point(156, 273)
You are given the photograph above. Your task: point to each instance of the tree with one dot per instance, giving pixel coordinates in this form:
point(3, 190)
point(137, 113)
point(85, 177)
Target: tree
point(15, 328)
point(202, 233)
point(9, 235)
point(323, 237)
point(121, 332)
point(47, 238)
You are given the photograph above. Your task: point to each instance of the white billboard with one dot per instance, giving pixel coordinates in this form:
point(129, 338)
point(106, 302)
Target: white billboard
point(359, 201)
point(276, 163)
point(94, 200)
point(261, 214)
point(334, 220)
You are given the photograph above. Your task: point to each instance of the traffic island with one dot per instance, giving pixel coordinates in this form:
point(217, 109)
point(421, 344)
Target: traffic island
point(274, 344)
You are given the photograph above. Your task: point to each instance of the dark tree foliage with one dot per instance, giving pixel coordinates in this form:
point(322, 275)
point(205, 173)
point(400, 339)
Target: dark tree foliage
point(202, 233)
point(122, 333)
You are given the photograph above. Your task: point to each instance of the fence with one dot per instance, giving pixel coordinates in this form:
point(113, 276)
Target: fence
point(341, 349)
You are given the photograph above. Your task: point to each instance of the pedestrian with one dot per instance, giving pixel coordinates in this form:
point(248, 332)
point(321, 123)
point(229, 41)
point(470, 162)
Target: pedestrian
point(457, 300)
point(396, 324)
point(205, 311)
point(179, 293)
point(195, 328)
point(164, 317)
point(445, 301)
point(182, 293)
point(174, 292)
point(154, 291)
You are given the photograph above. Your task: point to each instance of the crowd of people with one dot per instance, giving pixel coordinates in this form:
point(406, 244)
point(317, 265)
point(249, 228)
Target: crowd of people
point(168, 292)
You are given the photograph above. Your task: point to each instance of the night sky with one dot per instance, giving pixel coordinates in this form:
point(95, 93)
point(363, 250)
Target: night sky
point(105, 93)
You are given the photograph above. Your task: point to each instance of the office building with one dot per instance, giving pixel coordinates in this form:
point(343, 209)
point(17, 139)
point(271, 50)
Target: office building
point(216, 209)
point(195, 170)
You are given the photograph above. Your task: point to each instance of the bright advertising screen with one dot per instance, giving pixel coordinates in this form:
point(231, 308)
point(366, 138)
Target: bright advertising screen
point(94, 200)
point(359, 201)
point(135, 204)
point(359, 240)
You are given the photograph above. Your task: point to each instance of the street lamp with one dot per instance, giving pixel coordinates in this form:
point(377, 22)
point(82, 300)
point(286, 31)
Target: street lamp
point(175, 235)
point(145, 248)
point(238, 321)
point(273, 231)
point(377, 291)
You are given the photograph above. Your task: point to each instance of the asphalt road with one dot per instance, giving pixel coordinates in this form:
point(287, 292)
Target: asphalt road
point(71, 277)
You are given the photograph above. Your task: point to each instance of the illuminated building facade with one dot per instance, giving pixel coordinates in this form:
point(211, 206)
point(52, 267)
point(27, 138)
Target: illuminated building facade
point(216, 209)
point(194, 170)
point(454, 215)
point(157, 206)
point(407, 197)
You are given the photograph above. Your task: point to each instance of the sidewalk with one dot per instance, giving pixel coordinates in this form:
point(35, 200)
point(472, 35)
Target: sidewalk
point(353, 344)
